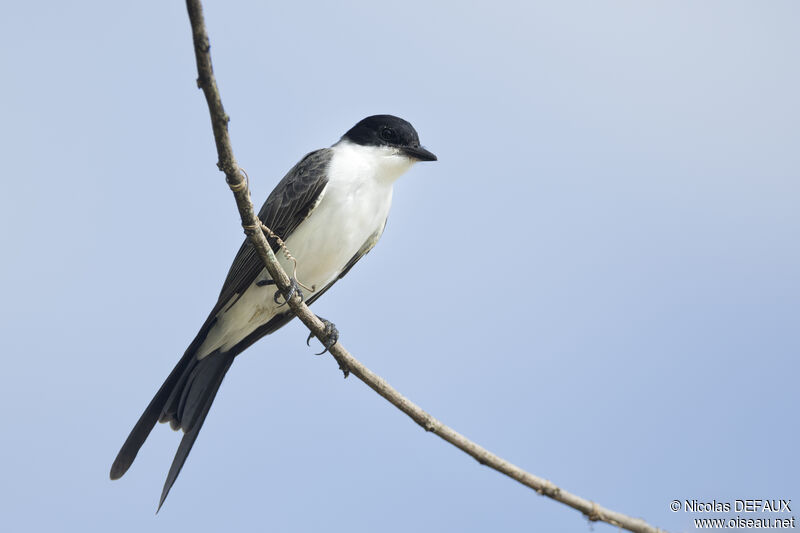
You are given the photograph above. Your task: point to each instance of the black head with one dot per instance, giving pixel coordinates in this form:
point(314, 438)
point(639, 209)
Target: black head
point(391, 131)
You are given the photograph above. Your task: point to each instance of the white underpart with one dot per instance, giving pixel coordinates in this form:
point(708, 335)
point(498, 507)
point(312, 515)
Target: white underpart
point(354, 205)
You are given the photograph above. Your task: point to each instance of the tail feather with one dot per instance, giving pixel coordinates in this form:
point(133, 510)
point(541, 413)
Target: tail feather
point(169, 410)
point(148, 420)
point(195, 402)
point(200, 389)
point(186, 397)
point(184, 401)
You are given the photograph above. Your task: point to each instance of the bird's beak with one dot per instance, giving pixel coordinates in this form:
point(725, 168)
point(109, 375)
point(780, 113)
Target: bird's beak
point(419, 153)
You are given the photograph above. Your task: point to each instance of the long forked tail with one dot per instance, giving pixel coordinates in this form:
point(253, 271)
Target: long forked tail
point(184, 401)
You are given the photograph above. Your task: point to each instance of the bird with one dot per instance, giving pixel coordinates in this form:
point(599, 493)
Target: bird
point(328, 211)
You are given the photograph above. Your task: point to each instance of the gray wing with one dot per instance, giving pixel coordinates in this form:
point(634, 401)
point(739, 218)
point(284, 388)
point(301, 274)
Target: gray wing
point(289, 203)
point(292, 200)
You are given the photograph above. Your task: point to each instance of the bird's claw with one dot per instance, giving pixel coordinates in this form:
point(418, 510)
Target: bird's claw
point(294, 287)
point(331, 335)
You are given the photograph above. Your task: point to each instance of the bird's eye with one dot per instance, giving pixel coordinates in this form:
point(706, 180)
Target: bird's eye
point(387, 134)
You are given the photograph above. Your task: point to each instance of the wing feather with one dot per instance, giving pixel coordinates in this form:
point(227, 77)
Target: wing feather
point(291, 202)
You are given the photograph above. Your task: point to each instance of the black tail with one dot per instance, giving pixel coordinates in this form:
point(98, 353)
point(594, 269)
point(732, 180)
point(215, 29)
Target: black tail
point(184, 401)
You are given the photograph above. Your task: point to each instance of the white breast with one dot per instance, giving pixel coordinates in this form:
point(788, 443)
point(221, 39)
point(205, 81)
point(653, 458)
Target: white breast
point(354, 205)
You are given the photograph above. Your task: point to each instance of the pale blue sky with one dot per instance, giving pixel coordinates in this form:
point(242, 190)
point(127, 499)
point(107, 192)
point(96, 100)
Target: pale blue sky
point(599, 280)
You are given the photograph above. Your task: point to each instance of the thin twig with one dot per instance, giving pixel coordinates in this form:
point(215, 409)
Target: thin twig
point(252, 225)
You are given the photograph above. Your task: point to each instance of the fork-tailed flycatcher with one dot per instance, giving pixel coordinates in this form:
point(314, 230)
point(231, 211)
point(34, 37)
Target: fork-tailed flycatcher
point(329, 210)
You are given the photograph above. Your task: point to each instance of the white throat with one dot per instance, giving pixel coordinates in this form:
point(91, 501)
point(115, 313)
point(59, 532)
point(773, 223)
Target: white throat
point(380, 163)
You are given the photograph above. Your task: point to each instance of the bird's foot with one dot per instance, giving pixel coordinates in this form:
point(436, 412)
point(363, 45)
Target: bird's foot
point(294, 287)
point(331, 336)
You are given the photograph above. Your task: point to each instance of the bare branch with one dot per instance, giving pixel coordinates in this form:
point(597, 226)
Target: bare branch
point(253, 229)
